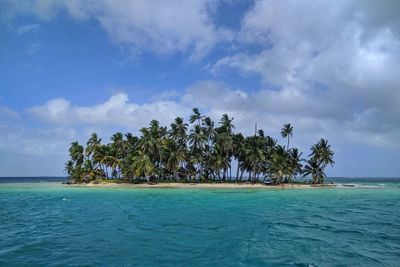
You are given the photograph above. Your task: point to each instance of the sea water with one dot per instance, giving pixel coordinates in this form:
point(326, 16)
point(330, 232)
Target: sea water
point(46, 223)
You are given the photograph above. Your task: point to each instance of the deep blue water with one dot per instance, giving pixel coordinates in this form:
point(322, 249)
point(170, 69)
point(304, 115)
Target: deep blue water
point(45, 223)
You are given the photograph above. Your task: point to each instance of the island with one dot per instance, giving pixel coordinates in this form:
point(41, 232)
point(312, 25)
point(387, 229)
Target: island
point(198, 153)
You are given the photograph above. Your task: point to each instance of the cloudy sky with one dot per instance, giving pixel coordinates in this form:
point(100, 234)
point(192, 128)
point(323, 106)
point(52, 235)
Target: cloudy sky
point(331, 68)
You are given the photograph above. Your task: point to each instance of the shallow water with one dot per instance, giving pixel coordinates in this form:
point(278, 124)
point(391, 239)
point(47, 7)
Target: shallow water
point(50, 224)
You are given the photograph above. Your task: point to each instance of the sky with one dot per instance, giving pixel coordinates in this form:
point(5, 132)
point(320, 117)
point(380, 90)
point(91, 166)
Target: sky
point(330, 68)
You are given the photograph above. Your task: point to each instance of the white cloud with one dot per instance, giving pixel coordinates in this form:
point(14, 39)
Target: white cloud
point(313, 115)
point(328, 67)
point(15, 137)
point(28, 151)
point(33, 48)
point(27, 28)
point(332, 61)
point(161, 27)
point(8, 114)
point(116, 111)
point(62, 122)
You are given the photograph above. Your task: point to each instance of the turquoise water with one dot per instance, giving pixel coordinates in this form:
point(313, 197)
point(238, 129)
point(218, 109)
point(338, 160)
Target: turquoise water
point(51, 224)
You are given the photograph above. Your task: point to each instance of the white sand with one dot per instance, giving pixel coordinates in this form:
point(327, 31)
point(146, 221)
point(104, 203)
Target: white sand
point(204, 185)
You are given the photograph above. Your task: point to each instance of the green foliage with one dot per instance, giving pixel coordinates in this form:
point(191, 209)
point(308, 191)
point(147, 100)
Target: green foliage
point(321, 155)
point(195, 151)
point(287, 131)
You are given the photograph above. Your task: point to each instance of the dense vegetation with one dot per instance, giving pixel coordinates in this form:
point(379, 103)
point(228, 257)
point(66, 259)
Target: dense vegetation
point(198, 151)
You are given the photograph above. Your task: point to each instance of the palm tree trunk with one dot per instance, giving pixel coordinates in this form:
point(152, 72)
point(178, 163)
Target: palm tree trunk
point(201, 172)
point(230, 172)
point(237, 172)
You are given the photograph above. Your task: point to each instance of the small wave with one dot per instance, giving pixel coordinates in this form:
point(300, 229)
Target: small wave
point(346, 185)
point(371, 186)
point(377, 186)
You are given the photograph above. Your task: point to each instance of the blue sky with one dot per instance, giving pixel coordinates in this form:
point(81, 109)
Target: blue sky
point(68, 68)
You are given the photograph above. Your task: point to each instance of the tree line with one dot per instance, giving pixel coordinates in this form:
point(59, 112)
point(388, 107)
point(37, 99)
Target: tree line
point(196, 151)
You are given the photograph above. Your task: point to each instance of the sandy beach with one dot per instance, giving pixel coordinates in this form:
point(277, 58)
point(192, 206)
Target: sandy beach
point(204, 185)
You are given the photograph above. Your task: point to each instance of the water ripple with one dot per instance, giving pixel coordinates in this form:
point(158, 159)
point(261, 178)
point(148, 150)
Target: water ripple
point(80, 226)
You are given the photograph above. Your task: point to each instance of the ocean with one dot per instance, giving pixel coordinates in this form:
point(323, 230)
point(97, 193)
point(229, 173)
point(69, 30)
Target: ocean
point(44, 223)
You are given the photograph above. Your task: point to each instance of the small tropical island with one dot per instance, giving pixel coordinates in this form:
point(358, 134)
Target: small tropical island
point(197, 153)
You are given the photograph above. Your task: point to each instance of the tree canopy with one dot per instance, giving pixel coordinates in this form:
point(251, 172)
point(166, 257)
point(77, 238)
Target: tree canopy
point(197, 151)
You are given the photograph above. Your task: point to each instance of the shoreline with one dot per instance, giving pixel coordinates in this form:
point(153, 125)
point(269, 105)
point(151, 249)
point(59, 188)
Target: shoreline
point(204, 185)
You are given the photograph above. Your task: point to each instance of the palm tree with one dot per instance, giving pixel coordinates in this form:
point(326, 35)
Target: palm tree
point(315, 170)
point(77, 158)
point(150, 144)
point(178, 131)
point(238, 151)
point(196, 116)
point(143, 166)
point(295, 166)
point(117, 153)
point(287, 131)
point(131, 141)
point(91, 152)
point(204, 152)
point(224, 141)
point(322, 153)
point(197, 139)
point(226, 124)
point(157, 135)
point(92, 144)
point(98, 157)
point(114, 163)
point(90, 172)
point(254, 156)
point(76, 153)
point(69, 168)
point(173, 156)
point(117, 138)
point(279, 164)
point(209, 130)
point(219, 162)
